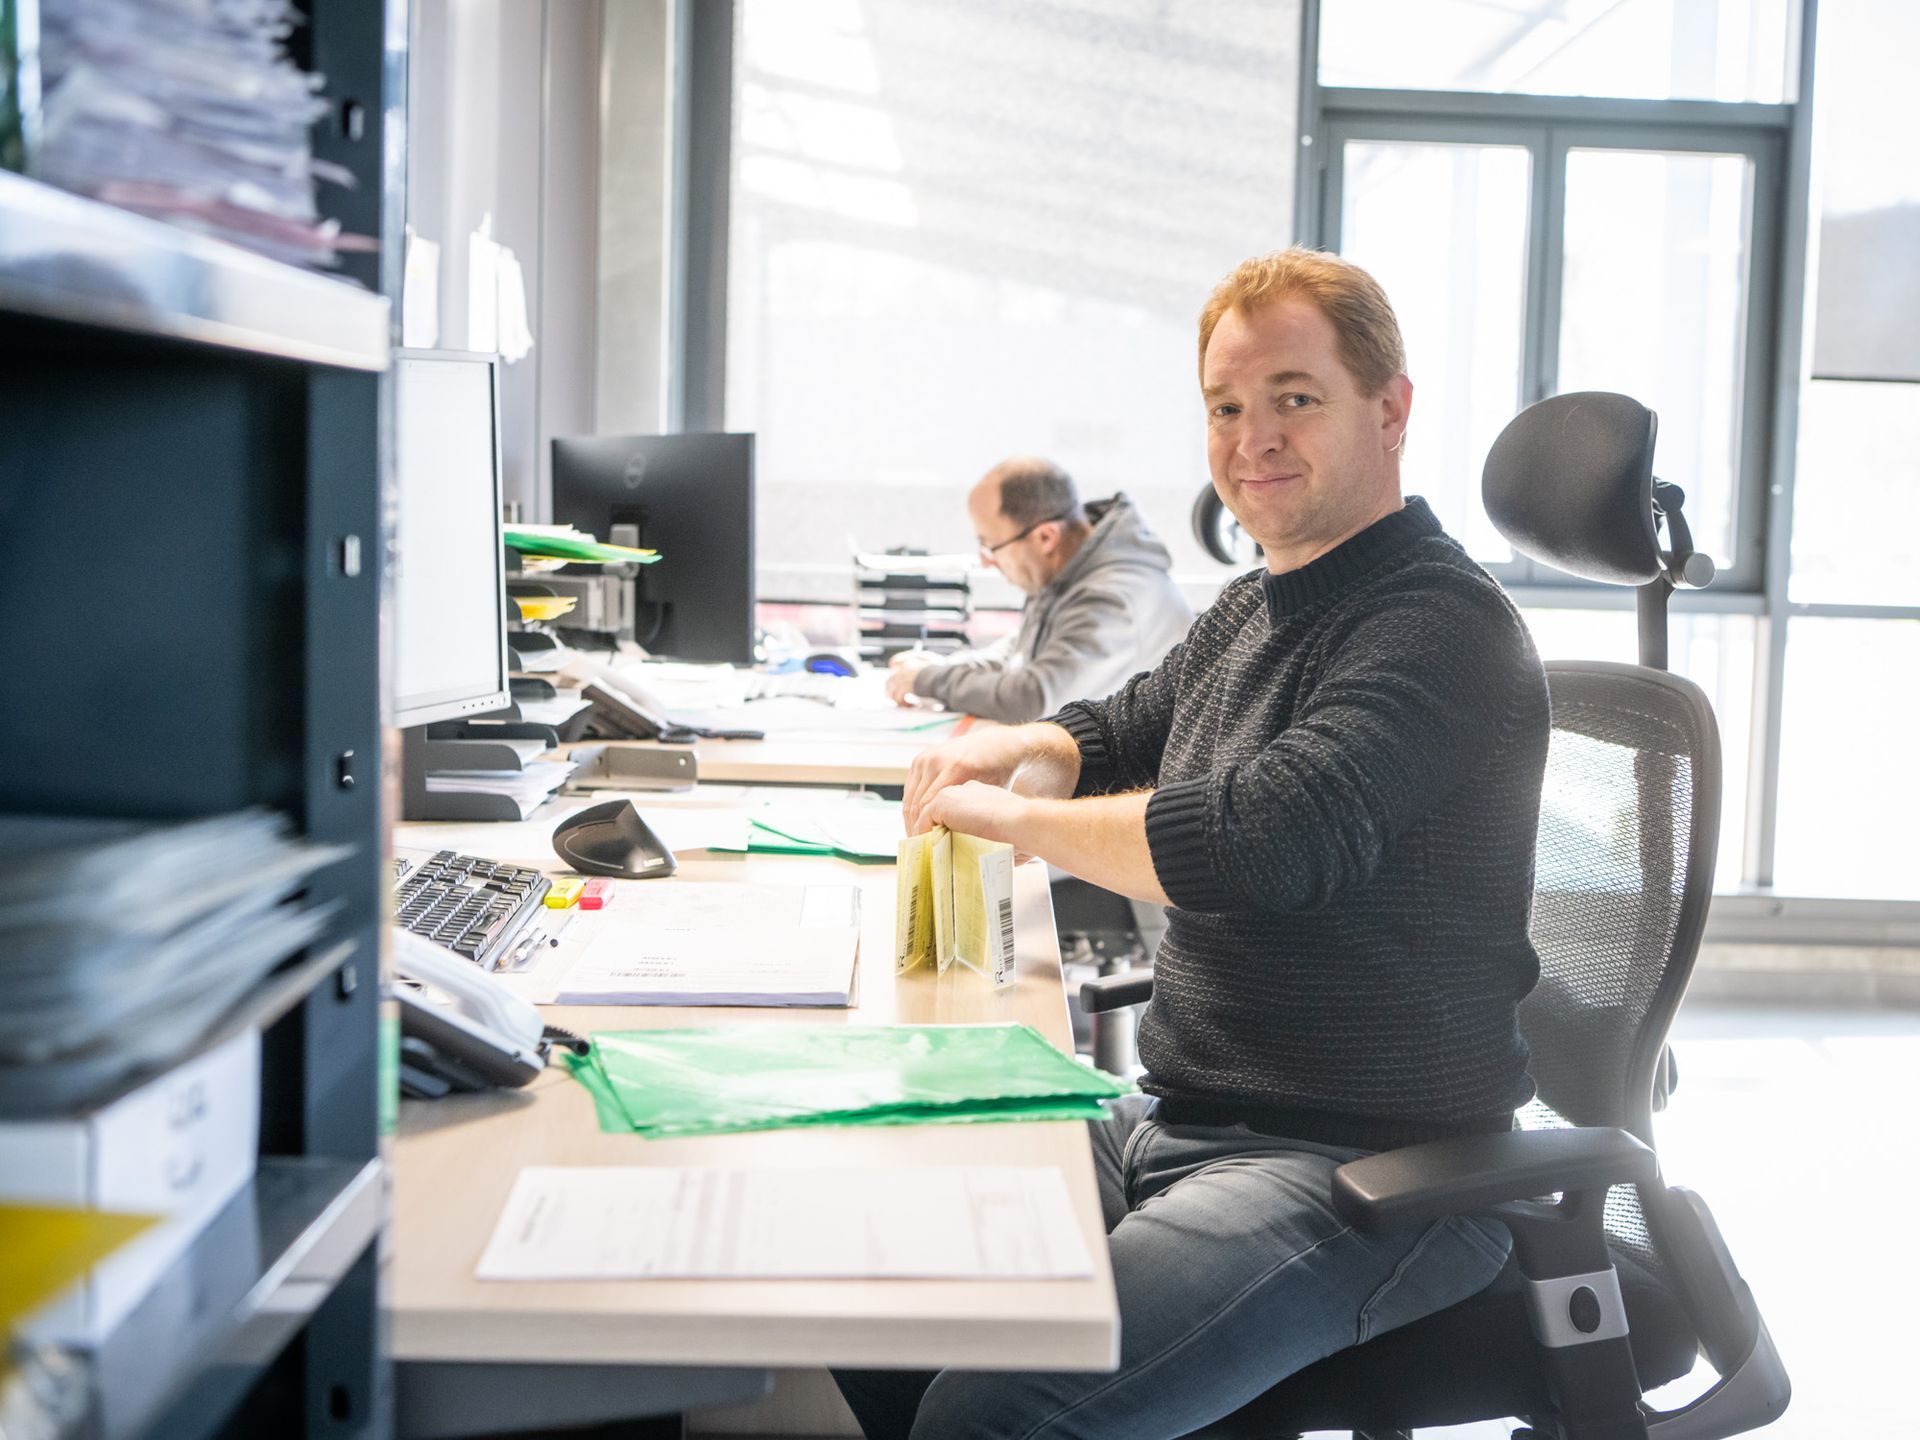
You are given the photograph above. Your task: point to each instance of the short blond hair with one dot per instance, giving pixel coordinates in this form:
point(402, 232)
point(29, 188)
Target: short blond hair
point(1350, 298)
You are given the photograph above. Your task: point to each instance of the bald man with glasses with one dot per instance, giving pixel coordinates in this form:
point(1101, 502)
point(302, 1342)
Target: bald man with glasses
point(1101, 606)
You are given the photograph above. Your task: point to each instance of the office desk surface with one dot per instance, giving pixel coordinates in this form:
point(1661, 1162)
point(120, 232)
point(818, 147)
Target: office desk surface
point(455, 1159)
point(859, 759)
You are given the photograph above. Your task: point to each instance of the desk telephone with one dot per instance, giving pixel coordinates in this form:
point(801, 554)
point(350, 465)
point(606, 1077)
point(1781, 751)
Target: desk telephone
point(634, 712)
point(484, 1035)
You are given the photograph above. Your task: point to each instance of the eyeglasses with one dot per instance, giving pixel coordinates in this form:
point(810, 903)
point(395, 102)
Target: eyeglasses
point(992, 550)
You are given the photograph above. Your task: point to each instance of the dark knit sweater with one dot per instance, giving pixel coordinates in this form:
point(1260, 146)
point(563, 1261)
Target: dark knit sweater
point(1347, 764)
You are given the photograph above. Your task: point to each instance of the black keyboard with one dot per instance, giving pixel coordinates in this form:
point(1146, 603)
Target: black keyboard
point(473, 906)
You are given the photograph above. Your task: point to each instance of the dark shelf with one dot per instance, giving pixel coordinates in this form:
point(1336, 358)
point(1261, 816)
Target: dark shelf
point(70, 258)
point(180, 1363)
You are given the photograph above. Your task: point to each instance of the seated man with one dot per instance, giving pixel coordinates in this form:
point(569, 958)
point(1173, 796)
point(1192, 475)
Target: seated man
point(1334, 784)
point(1100, 604)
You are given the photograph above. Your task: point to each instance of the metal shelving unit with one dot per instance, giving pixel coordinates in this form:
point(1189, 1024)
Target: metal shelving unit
point(196, 442)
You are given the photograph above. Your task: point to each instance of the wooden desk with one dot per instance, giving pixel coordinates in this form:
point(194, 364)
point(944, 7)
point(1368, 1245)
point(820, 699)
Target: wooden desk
point(455, 1159)
point(868, 760)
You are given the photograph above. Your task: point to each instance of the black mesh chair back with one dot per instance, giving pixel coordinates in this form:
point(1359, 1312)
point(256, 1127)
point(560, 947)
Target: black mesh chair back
point(1629, 817)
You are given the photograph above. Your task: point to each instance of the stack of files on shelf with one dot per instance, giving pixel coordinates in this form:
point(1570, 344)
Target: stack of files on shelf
point(555, 712)
point(663, 1083)
point(569, 546)
point(192, 113)
point(528, 787)
point(124, 943)
point(909, 602)
point(692, 943)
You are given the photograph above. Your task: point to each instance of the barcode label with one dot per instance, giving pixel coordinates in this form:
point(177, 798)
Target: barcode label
point(1004, 970)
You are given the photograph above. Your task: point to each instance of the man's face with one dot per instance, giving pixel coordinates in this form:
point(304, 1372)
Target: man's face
point(1299, 455)
point(1027, 561)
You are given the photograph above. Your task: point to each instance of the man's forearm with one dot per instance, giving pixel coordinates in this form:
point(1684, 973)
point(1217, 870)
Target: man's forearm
point(1050, 766)
point(1100, 838)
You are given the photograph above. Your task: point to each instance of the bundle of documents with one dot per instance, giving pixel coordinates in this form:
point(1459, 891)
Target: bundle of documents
point(191, 112)
point(694, 943)
point(572, 546)
point(954, 901)
point(122, 943)
point(660, 1083)
point(528, 787)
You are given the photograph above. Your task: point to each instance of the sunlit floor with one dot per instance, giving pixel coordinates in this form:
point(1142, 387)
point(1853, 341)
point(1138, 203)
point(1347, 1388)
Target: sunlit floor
point(1801, 1129)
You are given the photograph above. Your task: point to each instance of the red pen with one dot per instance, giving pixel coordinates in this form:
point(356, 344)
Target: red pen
point(597, 894)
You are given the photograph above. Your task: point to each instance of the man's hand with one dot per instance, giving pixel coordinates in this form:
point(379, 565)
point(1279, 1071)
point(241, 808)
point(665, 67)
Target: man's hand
point(1038, 759)
point(989, 811)
point(900, 672)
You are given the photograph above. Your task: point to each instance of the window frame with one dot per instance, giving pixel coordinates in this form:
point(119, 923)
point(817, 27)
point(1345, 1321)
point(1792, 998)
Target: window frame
point(1549, 132)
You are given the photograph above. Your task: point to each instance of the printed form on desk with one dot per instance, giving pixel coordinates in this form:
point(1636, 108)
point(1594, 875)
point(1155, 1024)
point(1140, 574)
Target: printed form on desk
point(684, 943)
point(974, 1222)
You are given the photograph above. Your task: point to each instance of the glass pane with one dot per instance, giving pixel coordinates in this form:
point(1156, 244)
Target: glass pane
point(1638, 49)
point(1653, 305)
point(1849, 770)
point(1444, 229)
point(959, 235)
point(1856, 498)
point(1866, 111)
point(1716, 653)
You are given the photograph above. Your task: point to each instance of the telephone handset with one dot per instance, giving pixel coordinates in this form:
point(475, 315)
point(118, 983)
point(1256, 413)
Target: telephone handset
point(486, 1035)
point(635, 712)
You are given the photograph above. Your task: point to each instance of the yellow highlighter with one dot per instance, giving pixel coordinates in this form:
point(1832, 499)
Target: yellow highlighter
point(564, 893)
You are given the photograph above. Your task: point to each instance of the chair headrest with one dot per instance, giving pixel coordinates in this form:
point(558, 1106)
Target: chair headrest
point(1570, 483)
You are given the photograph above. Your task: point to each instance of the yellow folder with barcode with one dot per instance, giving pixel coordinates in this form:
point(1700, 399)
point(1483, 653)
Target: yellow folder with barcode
point(954, 901)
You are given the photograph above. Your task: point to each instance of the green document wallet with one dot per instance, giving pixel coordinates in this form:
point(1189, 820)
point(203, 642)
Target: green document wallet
point(664, 1083)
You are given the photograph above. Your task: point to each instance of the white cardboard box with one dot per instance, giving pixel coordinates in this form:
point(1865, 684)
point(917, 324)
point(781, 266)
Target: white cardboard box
point(181, 1146)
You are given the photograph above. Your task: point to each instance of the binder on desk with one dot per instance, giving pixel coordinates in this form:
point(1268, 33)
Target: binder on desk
point(954, 901)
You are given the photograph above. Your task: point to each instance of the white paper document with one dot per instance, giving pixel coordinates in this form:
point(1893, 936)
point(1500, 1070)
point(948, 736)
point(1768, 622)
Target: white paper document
point(974, 1222)
point(688, 943)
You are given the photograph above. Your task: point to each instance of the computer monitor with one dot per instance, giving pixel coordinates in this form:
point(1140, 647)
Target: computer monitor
point(449, 591)
point(691, 498)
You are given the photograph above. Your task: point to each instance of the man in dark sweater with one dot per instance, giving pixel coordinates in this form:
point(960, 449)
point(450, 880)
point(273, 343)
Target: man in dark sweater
point(1334, 784)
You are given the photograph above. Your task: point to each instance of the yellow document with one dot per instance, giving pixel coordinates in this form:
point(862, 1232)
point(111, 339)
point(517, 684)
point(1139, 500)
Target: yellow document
point(954, 901)
point(43, 1250)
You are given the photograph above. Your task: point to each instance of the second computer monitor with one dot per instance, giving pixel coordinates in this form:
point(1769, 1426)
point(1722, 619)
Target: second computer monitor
point(691, 498)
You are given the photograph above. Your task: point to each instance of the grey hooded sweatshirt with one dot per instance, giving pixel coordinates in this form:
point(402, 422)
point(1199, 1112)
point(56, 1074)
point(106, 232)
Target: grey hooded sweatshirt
point(1112, 612)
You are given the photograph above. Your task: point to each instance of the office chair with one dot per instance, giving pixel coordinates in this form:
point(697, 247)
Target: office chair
point(1616, 1285)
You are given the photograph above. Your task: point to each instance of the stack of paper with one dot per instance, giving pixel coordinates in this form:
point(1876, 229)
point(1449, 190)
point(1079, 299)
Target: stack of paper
point(191, 112)
point(688, 943)
point(527, 787)
point(856, 826)
point(708, 1082)
point(122, 943)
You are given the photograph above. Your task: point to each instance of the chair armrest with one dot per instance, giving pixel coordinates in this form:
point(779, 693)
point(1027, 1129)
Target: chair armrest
point(1422, 1183)
point(1115, 992)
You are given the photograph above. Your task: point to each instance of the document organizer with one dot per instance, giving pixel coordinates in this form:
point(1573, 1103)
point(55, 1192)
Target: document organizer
point(462, 745)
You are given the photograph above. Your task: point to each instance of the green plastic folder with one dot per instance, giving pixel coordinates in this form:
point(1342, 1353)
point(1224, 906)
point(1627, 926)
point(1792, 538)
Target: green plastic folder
point(662, 1083)
point(566, 547)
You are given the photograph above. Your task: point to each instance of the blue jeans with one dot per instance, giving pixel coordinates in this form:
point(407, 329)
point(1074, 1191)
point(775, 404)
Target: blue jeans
point(1232, 1270)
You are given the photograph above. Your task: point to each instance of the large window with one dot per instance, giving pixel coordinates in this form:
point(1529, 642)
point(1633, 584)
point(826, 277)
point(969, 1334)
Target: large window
point(1553, 208)
point(964, 231)
point(960, 231)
